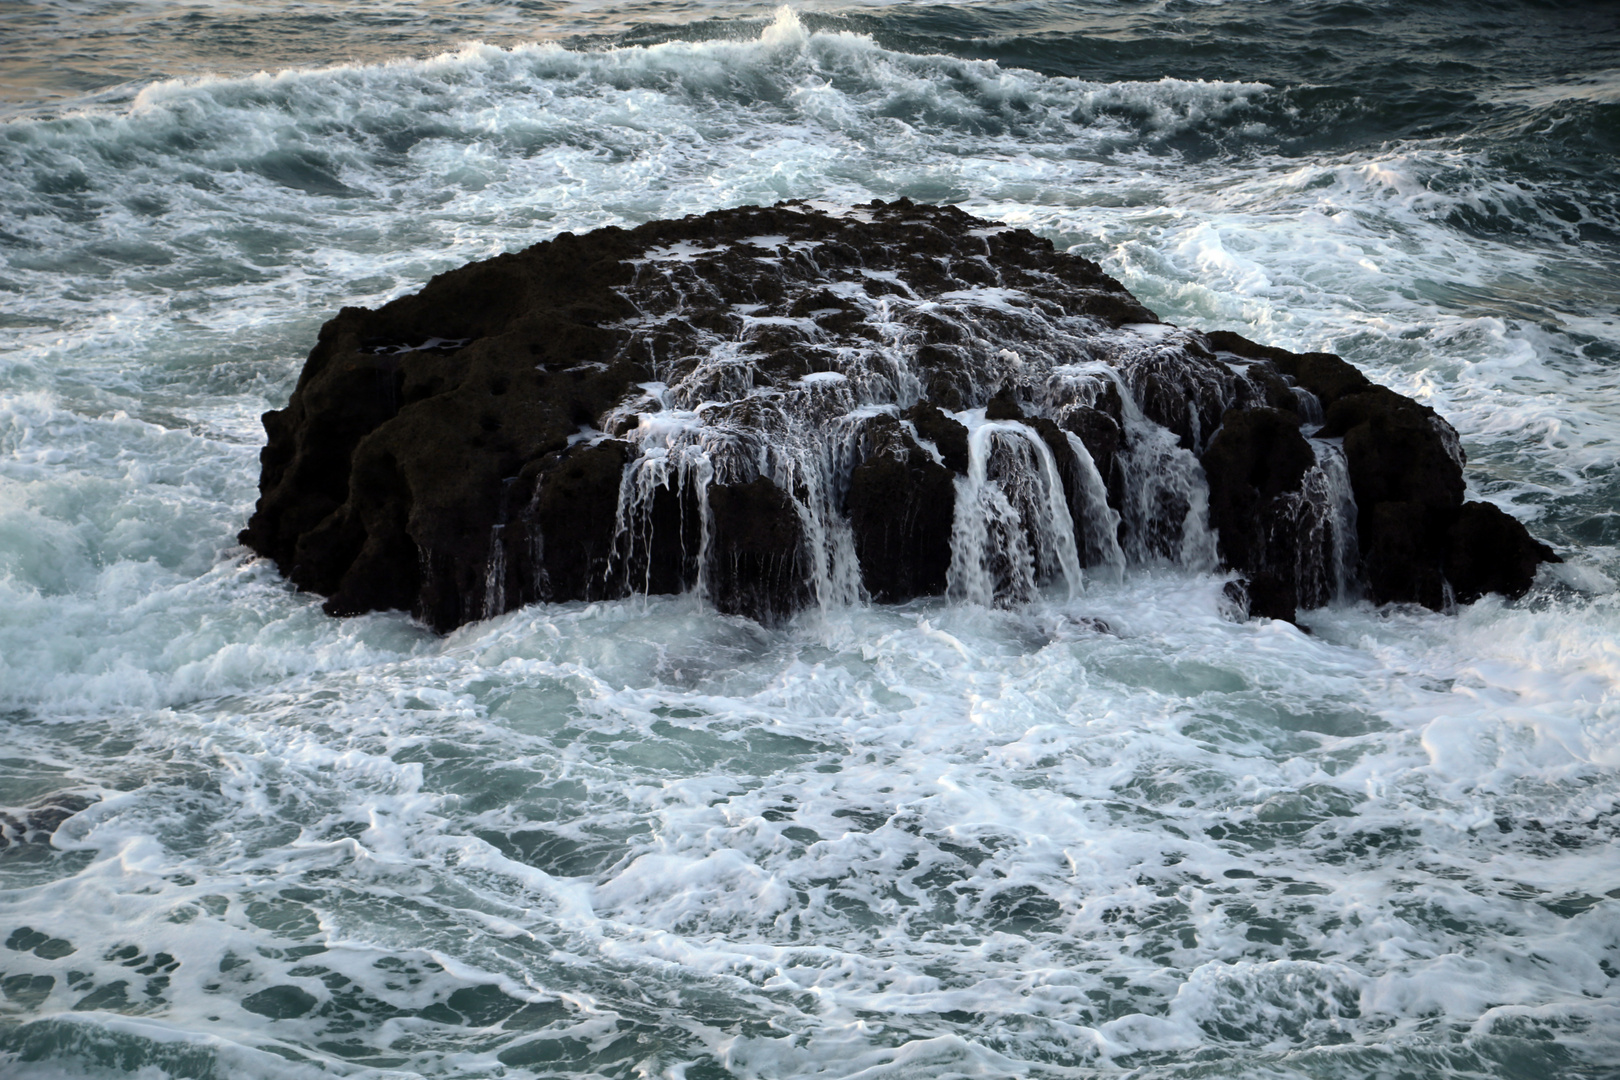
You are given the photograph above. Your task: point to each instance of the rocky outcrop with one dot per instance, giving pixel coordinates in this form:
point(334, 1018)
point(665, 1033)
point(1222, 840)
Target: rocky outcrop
point(1419, 541)
point(787, 406)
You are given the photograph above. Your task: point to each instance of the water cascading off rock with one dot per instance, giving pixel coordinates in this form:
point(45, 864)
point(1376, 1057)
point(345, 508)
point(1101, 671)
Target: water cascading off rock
point(782, 407)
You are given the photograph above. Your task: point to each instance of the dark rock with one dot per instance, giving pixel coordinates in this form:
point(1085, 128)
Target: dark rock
point(1406, 471)
point(572, 520)
point(949, 437)
point(1405, 464)
point(1487, 551)
point(381, 479)
point(1326, 376)
point(1400, 542)
point(739, 398)
point(1004, 405)
point(901, 503)
point(1272, 595)
point(1255, 465)
point(759, 570)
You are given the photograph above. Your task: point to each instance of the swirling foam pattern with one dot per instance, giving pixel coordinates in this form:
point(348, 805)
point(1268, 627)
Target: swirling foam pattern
point(1108, 835)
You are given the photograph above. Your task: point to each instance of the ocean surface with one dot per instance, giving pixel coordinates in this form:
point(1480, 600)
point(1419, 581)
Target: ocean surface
point(1113, 835)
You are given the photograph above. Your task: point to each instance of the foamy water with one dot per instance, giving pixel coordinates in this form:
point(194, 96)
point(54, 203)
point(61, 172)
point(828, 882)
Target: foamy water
point(1108, 832)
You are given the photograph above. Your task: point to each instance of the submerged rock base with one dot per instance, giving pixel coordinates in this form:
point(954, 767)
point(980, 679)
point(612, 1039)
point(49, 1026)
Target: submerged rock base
point(786, 406)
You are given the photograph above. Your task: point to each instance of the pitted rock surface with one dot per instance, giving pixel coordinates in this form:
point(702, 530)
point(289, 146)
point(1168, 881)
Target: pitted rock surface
point(789, 406)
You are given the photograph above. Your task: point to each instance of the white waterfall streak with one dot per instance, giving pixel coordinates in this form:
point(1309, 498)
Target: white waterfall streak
point(1012, 530)
point(1098, 522)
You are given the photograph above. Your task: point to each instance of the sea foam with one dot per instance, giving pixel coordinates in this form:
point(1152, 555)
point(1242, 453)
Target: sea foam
point(1110, 830)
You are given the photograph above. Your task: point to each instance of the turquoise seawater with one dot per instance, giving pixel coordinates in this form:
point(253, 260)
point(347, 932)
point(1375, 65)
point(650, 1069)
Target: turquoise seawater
point(1114, 835)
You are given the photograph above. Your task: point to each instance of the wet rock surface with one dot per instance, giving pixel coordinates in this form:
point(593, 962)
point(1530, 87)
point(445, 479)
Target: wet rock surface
point(787, 406)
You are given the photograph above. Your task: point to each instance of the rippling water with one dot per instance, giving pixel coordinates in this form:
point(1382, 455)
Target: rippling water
point(1107, 836)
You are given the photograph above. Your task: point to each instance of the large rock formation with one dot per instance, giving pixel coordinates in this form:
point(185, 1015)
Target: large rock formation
point(787, 406)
